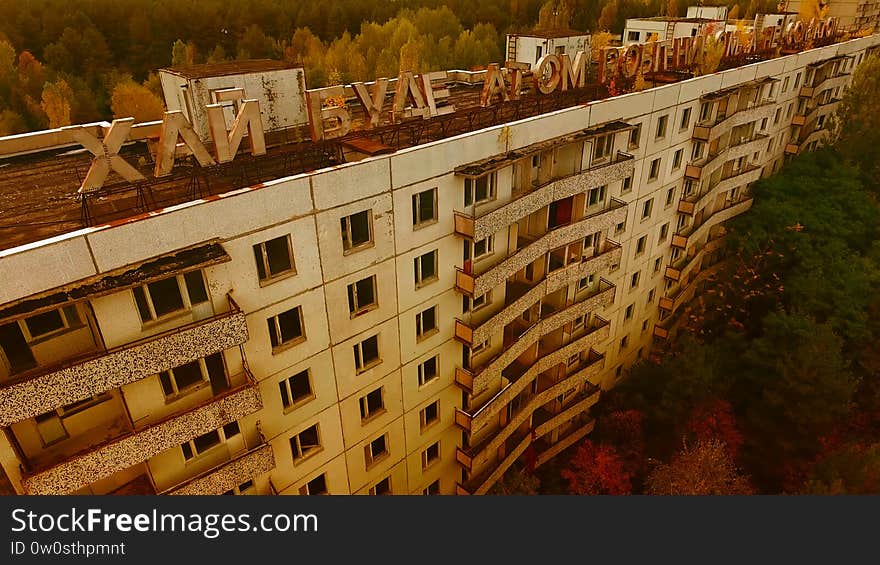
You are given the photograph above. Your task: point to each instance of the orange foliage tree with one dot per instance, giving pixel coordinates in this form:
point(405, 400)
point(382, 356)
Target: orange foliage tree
point(597, 469)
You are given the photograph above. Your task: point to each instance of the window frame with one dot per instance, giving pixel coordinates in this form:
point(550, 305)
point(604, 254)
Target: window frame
point(345, 226)
point(261, 251)
point(182, 289)
point(418, 221)
point(356, 309)
point(420, 280)
point(274, 322)
point(359, 364)
point(305, 452)
point(285, 388)
point(421, 377)
point(423, 332)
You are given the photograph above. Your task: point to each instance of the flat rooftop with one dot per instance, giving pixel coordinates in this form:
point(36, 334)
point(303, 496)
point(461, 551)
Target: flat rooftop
point(39, 192)
point(230, 68)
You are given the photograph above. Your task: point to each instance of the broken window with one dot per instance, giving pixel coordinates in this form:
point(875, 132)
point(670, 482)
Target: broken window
point(274, 257)
point(356, 230)
point(286, 327)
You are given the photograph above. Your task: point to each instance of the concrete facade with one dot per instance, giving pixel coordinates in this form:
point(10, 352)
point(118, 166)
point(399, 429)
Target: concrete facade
point(343, 341)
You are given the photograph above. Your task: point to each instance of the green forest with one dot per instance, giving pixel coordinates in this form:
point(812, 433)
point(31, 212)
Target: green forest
point(76, 61)
point(773, 384)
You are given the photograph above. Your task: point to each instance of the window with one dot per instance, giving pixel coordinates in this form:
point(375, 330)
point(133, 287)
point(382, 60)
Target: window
point(426, 323)
point(785, 85)
point(484, 247)
point(685, 118)
point(764, 124)
point(651, 295)
point(362, 296)
point(641, 243)
point(431, 455)
point(670, 196)
point(383, 487)
point(634, 280)
point(375, 450)
point(357, 230)
point(189, 376)
point(620, 228)
point(286, 327)
point(479, 190)
point(174, 294)
point(627, 185)
point(777, 116)
point(316, 486)
point(424, 207)
point(646, 208)
point(664, 232)
point(538, 52)
point(433, 488)
point(697, 150)
point(632, 36)
point(274, 258)
point(305, 443)
point(635, 136)
point(676, 159)
point(661, 126)
point(478, 347)
point(628, 314)
point(427, 370)
point(296, 389)
point(372, 404)
point(425, 268)
point(430, 414)
point(201, 444)
point(51, 322)
point(366, 353)
point(596, 196)
point(603, 147)
point(623, 342)
point(658, 262)
point(655, 170)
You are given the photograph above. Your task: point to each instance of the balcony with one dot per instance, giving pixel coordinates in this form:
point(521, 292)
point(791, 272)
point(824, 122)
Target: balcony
point(480, 225)
point(708, 131)
point(52, 387)
point(608, 217)
point(492, 369)
point(230, 474)
point(685, 267)
point(696, 232)
point(792, 149)
point(130, 445)
point(740, 148)
point(687, 205)
point(518, 444)
point(520, 295)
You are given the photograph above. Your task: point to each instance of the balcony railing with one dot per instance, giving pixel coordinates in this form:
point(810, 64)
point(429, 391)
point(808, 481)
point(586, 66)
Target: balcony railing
point(230, 473)
point(101, 371)
point(492, 368)
point(483, 224)
point(521, 295)
point(707, 131)
point(610, 215)
point(694, 232)
point(140, 443)
point(734, 150)
point(689, 204)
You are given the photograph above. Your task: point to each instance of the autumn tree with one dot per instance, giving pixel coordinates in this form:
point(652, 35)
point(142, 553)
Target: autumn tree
point(517, 480)
point(56, 102)
point(130, 99)
point(11, 123)
point(853, 469)
point(608, 17)
point(702, 469)
point(857, 122)
point(672, 8)
point(597, 469)
point(714, 420)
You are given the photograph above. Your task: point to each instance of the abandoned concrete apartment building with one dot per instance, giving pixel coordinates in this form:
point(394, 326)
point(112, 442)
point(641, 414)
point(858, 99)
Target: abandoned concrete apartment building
point(409, 311)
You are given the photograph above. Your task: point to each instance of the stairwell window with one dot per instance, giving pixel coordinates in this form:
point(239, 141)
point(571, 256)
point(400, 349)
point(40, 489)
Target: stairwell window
point(628, 313)
point(428, 370)
point(646, 208)
point(376, 450)
point(676, 159)
point(664, 232)
point(480, 189)
point(670, 197)
point(296, 390)
point(425, 268)
point(424, 208)
point(357, 231)
point(372, 404)
point(366, 354)
point(426, 323)
point(641, 244)
point(627, 185)
point(169, 296)
point(286, 329)
point(362, 296)
point(274, 258)
point(305, 444)
point(634, 280)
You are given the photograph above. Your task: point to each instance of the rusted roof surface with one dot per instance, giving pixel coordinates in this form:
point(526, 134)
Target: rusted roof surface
point(230, 68)
point(120, 279)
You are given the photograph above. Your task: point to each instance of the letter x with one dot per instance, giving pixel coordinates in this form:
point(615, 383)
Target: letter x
point(106, 154)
